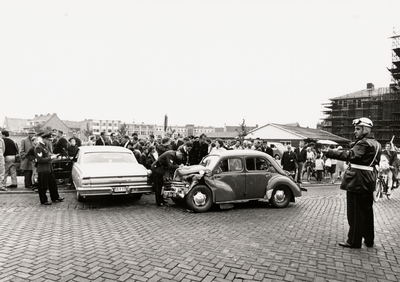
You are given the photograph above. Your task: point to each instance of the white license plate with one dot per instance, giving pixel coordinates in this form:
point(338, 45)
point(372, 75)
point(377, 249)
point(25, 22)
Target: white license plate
point(119, 189)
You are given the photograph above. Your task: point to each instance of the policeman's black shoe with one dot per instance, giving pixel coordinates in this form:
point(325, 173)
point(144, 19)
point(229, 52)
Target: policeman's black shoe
point(347, 245)
point(369, 245)
point(12, 186)
point(46, 203)
point(59, 200)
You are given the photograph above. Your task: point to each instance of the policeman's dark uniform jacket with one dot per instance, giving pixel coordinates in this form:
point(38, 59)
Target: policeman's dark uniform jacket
point(45, 174)
point(164, 166)
point(359, 181)
point(198, 152)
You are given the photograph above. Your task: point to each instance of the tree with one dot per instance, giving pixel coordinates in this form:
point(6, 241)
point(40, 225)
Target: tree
point(242, 132)
point(123, 129)
point(39, 128)
point(87, 132)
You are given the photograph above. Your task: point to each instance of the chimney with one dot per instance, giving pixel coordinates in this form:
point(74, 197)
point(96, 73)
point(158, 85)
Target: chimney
point(370, 86)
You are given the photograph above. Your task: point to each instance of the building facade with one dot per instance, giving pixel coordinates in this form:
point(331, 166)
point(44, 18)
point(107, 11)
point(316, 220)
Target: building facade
point(381, 105)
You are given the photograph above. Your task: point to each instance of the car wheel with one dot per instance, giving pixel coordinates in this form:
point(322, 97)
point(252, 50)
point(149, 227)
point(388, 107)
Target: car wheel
point(79, 197)
point(277, 157)
point(199, 199)
point(137, 196)
point(280, 197)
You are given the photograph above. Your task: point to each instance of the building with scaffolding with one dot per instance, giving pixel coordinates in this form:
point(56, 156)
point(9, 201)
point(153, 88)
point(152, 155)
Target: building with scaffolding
point(381, 105)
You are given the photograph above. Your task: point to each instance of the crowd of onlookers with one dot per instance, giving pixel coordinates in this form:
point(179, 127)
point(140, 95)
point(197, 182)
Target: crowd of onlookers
point(304, 162)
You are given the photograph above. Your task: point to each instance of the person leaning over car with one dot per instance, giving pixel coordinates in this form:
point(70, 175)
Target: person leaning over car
point(164, 168)
point(359, 181)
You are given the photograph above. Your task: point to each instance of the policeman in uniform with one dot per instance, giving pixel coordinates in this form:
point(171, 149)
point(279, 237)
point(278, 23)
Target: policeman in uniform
point(163, 168)
point(45, 173)
point(359, 181)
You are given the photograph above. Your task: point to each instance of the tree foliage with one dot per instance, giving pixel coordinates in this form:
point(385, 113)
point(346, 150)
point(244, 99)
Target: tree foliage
point(87, 132)
point(123, 129)
point(242, 132)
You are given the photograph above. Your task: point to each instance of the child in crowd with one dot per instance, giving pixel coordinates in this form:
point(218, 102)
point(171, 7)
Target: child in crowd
point(319, 167)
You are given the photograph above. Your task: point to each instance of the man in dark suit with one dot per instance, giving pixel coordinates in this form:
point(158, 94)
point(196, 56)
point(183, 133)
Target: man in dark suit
point(289, 161)
point(101, 141)
point(62, 145)
point(199, 150)
point(176, 143)
point(301, 153)
point(126, 142)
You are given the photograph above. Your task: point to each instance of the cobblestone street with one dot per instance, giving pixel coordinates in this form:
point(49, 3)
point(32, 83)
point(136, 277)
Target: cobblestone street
point(119, 239)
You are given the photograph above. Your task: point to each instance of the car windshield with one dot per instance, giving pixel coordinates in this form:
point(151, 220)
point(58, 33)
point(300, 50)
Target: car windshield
point(108, 157)
point(210, 162)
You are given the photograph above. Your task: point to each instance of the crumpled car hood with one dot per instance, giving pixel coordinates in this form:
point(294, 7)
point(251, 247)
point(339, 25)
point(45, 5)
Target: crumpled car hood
point(186, 170)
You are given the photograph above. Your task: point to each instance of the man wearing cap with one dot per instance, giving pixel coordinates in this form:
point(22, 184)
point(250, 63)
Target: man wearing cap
point(359, 181)
point(26, 164)
point(45, 174)
point(164, 146)
point(164, 168)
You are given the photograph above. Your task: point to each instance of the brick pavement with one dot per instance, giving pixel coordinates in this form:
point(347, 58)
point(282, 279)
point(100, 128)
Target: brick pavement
point(118, 239)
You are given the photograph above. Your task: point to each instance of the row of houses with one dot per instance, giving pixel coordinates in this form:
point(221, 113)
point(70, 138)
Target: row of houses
point(287, 134)
point(88, 127)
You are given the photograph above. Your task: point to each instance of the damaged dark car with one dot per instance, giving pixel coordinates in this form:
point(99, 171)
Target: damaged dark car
point(234, 176)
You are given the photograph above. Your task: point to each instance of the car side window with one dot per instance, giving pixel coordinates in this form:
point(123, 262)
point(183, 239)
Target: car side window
point(233, 164)
point(257, 164)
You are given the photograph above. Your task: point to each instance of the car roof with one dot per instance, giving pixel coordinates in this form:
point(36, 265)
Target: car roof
point(239, 153)
point(103, 149)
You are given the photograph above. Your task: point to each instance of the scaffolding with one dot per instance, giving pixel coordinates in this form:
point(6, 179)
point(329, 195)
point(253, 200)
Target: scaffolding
point(381, 105)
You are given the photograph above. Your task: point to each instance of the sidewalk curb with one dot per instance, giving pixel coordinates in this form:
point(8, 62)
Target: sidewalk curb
point(30, 191)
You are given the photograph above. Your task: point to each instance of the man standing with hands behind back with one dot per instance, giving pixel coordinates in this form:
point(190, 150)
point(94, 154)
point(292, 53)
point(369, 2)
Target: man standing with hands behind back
point(359, 181)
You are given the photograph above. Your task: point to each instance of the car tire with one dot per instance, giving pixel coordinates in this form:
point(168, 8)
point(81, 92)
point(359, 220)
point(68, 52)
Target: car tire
point(137, 196)
point(178, 201)
point(280, 197)
point(276, 155)
point(80, 198)
point(199, 199)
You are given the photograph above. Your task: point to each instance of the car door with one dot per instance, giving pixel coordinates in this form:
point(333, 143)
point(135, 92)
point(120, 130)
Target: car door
point(258, 175)
point(230, 180)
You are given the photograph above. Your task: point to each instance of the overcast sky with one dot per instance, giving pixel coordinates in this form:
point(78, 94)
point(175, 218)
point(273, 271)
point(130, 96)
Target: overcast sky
point(201, 62)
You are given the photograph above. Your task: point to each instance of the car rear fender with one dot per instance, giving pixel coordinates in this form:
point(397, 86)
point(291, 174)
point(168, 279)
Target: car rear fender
point(282, 181)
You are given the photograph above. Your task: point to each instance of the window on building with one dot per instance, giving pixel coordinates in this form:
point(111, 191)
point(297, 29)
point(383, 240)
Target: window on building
point(359, 104)
point(340, 102)
point(344, 103)
point(285, 143)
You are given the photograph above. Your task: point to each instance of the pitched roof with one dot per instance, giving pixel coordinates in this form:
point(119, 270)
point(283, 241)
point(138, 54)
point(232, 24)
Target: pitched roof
point(312, 133)
point(15, 124)
point(364, 94)
point(305, 132)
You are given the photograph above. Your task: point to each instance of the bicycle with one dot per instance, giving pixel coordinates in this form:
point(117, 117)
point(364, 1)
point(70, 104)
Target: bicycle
point(381, 187)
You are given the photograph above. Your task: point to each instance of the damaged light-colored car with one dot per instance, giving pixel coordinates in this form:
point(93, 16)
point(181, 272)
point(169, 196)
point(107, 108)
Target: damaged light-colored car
point(229, 177)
